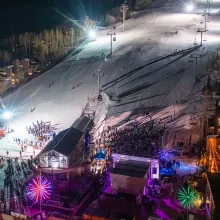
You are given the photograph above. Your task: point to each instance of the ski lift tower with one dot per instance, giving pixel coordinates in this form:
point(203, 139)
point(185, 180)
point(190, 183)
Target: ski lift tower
point(196, 57)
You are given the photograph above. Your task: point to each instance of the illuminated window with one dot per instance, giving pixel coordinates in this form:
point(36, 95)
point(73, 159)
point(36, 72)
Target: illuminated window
point(218, 121)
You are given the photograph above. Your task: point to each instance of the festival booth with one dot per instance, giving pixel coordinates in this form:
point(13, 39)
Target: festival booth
point(153, 164)
point(131, 174)
point(166, 171)
point(99, 161)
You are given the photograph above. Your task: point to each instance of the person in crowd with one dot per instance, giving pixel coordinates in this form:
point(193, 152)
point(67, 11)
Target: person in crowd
point(136, 140)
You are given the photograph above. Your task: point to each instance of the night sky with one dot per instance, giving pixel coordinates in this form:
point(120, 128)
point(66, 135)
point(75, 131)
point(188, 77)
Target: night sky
point(18, 16)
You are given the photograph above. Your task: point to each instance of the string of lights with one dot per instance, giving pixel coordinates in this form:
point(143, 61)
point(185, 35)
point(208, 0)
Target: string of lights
point(187, 196)
point(39, 189)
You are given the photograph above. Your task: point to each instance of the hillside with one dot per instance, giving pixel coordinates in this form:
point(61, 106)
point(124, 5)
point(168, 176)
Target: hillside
point(143, 76)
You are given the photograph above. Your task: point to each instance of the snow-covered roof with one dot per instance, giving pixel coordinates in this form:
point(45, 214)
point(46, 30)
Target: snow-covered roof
point(82, 123)
point(131, 168)
point(65, 142)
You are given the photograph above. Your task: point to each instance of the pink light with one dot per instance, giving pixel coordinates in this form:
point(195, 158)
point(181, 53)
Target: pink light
point(161, 214)
point(39, 189)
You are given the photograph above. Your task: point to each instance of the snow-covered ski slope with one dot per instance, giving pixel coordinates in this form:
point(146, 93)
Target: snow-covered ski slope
point(144, 73)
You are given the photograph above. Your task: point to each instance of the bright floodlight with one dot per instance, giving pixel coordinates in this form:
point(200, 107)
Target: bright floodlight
point(7, 115)
point(92, 34)
point(190, 7)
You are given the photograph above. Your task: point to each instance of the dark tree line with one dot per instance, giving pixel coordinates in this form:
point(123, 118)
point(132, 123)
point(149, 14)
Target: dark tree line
point(51, 43)
point(98, 8)
point(45, 45)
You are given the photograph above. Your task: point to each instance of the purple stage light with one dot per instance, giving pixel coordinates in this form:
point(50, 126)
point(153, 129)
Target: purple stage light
point(165, 155)
point(39, 189)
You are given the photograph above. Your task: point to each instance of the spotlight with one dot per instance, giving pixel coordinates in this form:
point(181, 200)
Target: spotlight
point(7, 115)
point(92, 34)
point(190, 7)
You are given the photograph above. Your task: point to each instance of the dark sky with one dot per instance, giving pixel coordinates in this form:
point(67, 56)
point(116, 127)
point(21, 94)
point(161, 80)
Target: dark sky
point(24, 15)
point(18, 16)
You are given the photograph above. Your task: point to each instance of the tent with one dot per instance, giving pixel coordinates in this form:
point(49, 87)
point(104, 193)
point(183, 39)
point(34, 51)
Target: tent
point(100, 155)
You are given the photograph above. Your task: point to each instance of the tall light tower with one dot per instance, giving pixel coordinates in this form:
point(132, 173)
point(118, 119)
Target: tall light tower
point(99, 73)
point(111, 33)
point(124, 10)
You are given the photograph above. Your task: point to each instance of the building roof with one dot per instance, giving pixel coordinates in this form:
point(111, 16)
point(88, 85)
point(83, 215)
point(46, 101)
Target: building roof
point(131, 168)
point(214, 182)
point(82, 123)
point(64, 142)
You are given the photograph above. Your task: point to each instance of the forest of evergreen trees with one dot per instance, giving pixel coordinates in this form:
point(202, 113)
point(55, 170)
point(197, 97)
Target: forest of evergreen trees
point(44, 46)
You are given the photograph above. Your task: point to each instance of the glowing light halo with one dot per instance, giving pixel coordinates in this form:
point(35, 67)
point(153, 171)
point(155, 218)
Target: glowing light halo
point(92, 33)
point(187, 196)
point(190, 7)
point(7, 115)
point(165, 155)
point(39, 189)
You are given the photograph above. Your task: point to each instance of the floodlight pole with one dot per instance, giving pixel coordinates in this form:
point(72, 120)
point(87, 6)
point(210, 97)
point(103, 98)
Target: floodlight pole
point(111, 33)
point(187, 213)
point(98, 73)
point(124, 8)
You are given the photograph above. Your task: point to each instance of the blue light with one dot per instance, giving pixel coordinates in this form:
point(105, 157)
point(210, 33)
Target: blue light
point(165, 155)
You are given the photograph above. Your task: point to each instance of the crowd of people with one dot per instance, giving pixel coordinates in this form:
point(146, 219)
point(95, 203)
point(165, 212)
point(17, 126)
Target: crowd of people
point(17, 172)
point(136, 140)
point(42, 131)
point(39, 130)
point(35, 145)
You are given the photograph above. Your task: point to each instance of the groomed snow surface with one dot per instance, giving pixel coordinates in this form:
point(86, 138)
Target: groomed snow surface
point(146, 76)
